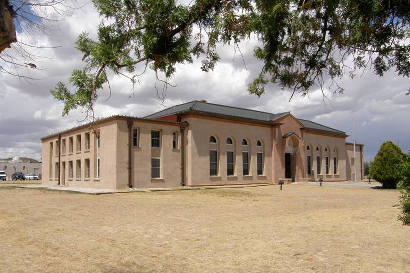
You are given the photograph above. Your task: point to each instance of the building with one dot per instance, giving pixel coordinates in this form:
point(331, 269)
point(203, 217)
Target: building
point(197, 143)
point(20, 164)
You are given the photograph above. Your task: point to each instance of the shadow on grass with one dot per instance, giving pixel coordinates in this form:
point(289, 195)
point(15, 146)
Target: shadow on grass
point(381, 188)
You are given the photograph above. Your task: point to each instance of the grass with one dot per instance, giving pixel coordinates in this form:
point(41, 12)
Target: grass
point(303, 228)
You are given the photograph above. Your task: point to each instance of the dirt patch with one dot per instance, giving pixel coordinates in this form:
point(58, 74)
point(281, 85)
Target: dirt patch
point(300, 229)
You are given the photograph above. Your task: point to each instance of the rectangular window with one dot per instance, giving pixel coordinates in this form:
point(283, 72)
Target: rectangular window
point(78, 169)
point(87, 168)
point(57, 147)
point(155, 139)
point(70, 145)
point(318, 165)
point(175, 141)
point(230, 167)
point(155, 167)
point(64, 146)
point(97, 171)
point(309, 165)
point(50, 167)
point(70, 169)
point(98, 140)
point(78, 148)
point(327, 164)
point(213, 163)
point(335, 165)
point(259, 163)
point(87, 141)
point(135, 141)
point(245, 163)
point(56, 170)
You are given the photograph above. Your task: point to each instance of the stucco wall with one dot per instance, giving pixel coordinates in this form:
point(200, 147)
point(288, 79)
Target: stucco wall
point(106, 152)
point(170, 159)
point(353, 162)
point(201, 128)
point(331, 143)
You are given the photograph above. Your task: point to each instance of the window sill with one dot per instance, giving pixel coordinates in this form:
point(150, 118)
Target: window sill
point(70, 179)
point(157, 180)
point(78, 179)
point(136, 148)
point(176, 150)
point(215, 178)
point(78, 152)
point(70, 153)
point(261, 176)
point(86, 179)
point(87, 151)
point(232, 177)
point(96, 180)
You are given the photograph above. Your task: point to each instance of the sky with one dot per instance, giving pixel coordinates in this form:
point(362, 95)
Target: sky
point(371, 110)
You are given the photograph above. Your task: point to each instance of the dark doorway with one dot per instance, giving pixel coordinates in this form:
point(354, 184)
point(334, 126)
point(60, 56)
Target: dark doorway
point(288, 165)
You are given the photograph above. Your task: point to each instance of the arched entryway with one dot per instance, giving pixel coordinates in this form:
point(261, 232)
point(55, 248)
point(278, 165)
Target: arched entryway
point(291, 149)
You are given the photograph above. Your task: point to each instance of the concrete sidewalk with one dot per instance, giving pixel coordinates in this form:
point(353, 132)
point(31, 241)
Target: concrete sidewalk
point(108, 191)
point(338, 184)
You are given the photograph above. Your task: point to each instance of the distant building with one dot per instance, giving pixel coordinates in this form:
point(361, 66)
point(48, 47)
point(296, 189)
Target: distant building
point(198, 143)
point(20, 164)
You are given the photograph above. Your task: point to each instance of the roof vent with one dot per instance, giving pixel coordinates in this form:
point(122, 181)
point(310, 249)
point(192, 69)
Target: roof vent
point(203, 101)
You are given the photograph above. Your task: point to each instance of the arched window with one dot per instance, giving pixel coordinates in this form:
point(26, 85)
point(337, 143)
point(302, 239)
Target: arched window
point(260, 160)
point(335, 162)
point(230, 157)
point(327, 160)
point(213, 157)
point(308, 160)
point(245, 157)
point(317, 149)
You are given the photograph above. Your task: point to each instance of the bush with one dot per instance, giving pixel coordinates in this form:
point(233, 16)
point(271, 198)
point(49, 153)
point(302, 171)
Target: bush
point(404, 185)
point(387, 167)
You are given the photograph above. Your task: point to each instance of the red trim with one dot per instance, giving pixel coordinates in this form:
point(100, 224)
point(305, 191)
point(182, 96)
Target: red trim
point(172, 118)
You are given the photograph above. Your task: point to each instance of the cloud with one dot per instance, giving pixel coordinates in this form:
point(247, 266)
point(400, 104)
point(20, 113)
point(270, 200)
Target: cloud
point(371, 110)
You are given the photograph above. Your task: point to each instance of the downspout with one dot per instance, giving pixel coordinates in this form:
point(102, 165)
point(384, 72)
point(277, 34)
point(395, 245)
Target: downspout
point(59, 159)
point(129, 124)
point(182, 127)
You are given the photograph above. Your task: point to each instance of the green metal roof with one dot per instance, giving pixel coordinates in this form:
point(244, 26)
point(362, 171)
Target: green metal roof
point(316, 126)
point(217, 109)
point(236, 112)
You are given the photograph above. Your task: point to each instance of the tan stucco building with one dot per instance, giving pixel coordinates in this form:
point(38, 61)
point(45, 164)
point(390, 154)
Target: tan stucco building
point(198, 143)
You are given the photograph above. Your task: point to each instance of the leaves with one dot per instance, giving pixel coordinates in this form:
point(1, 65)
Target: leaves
point(301, 43)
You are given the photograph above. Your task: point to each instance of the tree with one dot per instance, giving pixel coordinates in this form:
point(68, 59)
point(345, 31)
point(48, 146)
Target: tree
point(404, 186)
point(302, 43)
point(366, 168)
point(387, 165)
point(27, 17)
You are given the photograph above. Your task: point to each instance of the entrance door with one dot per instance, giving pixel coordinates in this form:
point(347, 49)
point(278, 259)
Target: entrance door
point(288, 165)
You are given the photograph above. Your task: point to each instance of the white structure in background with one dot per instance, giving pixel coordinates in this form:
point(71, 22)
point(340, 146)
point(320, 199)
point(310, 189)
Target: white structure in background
point(27, 166)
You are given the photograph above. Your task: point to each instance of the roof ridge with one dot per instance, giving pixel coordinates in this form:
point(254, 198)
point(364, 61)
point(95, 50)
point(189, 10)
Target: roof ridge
point(235, 107)
point(170, 108)
point(321, 125)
